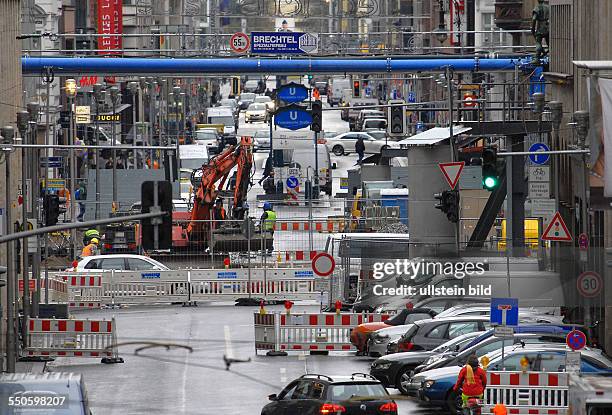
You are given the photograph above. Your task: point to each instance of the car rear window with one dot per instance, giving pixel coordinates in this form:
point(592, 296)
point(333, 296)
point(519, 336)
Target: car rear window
point(344, 392)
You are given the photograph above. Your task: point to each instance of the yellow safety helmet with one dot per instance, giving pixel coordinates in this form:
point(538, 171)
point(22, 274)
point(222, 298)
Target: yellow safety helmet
point(95, 241)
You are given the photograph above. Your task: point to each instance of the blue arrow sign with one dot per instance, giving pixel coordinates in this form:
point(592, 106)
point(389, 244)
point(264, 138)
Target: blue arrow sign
point(411, 96)
point(539, 158)
point(504, 311)
point(293, 118)
point(292, 93)
point(292, 182)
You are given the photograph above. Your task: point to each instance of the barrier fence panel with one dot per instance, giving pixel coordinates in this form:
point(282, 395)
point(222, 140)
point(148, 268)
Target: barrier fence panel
point(57, 290)
point(544, 393)
point(147, 287)
point(75, 338)
point(85, 290)
point(309, 331)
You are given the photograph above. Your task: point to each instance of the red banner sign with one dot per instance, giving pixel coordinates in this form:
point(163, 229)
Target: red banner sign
point(110, 22)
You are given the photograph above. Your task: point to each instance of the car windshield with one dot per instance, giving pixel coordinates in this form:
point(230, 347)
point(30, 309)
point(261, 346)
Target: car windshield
point(228, 103)
point(205, 135)
point(257, 107)
point(263, 99)
point(247, 97)
point(345, 392)
point(225, 120)
point(378, 135)
point(262, 134)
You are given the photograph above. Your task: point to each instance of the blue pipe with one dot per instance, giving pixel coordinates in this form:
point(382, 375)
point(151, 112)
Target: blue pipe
point(131, 66)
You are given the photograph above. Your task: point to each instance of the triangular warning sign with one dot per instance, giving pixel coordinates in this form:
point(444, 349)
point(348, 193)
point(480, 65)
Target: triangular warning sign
point(556, 230)
point(452, 172)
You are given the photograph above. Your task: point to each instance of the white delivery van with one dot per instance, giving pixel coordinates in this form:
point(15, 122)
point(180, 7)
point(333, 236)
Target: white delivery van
point(192, 156)
point(222, 115)
point(334, 91)
point(298, 154)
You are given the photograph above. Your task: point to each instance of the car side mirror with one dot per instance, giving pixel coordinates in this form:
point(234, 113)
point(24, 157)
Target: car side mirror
point(457, 348)
point(273, 397)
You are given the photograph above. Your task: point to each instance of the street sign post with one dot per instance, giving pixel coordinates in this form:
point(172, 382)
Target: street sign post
point(323, 264)
point(293, 117)
point(283, 42)
point(576, 340)
point(503, 332)
point(239, 42)
point(572, 362)
point(452, 172)
point(292, 182)
point(557, 230)
point(589, 284)
point(539, 174)
point(504, 311)
point(543, 207)
point(292, 93)
point(539, 190)
point(539, 158)
point(82, 114)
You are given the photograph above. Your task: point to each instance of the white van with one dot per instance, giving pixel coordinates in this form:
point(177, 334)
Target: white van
point(334, 91)
point(192, 156)
point(222, 115)
point(298, 154)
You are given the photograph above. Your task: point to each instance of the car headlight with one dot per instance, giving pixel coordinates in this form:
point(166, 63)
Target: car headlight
point(381, 365)
point(428, 383)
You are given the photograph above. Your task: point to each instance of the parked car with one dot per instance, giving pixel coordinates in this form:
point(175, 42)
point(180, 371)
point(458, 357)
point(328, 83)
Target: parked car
point(360, 333)
point(395, 370)
point(345, 143)
point(256, 112)
point(264, 99)
point(261, 140)
point(208, 137)
point(428, 334)
point(118, 262)
point(379, 134)
point(246, 99)
point(358, 394)
point(436, 386)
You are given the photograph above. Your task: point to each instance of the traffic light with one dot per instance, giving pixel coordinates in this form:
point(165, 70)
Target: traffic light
point(52, 208)
point(448, 202)
point(490, 176)
point(235, 86)
point(396, 123)
point(316, 111)
point(163, 224)
point(356, 89)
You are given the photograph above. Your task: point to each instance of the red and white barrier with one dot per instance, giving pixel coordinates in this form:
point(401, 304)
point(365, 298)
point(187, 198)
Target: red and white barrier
point(312, 331)
point(537, 393)
point(327, 225)
point(72, 338)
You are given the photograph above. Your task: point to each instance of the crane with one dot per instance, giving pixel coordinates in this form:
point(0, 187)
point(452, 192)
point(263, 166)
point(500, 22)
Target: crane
point(214, 177)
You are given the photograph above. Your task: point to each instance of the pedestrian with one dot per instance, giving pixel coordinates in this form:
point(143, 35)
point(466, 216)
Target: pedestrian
point(268, 184)
point(90, 249)
point(360, 149)
point(472, 380)
point(267, 222)
point(109, 164)
point(316, 94)
point(120, 164)
point(219, 213)
point(80, 194)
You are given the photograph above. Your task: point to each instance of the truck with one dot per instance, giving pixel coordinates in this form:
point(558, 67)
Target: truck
point(335, 88)
point(590, 394)
point(222, 115)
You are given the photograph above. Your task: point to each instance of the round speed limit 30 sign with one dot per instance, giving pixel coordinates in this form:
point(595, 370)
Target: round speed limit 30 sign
point(589, 284)
point(239, 42)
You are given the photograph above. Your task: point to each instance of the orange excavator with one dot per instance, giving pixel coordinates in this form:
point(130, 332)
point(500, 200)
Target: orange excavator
point(227, 236)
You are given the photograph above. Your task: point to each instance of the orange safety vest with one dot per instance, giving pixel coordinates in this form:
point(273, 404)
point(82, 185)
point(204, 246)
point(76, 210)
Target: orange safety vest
point(89, 250)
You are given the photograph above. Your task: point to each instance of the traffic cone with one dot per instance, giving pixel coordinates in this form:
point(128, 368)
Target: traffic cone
point(338, 307)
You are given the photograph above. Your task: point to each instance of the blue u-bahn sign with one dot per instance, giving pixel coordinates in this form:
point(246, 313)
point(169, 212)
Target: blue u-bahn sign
point(292, 93)
point(292, 117)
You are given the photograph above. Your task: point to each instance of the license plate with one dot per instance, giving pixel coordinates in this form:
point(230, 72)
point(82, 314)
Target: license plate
point(119, 246)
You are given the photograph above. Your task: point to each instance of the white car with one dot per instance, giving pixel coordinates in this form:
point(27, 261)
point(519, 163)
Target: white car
point(345, 143)
point(118, 262)
point(256, 112)
point(264, 99)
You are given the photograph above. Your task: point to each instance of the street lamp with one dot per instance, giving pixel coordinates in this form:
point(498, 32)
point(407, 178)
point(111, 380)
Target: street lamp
point(70, 88)
point(115, 96)
point(441, 32)
point(99, 94)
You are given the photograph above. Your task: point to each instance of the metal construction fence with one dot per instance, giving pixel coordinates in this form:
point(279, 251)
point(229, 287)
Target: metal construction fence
point(279, 333)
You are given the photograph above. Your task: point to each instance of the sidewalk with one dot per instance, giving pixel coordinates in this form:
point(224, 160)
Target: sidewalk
point(30, 367)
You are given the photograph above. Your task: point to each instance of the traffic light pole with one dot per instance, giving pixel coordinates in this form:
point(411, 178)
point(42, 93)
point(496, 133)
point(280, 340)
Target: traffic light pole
point(11, 275)
point(24, 213)
point(451, 140)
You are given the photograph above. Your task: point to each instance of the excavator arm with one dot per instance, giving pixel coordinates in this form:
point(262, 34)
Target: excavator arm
point(214, 177)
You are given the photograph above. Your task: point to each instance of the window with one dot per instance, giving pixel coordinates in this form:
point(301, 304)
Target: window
point(287, 393)
point(317, 390)
point(350, 137)
point(303, 390)
point(354, 390)
point(437, 332)
point(487, 348)
point(459, 329)
point(113, 263)
point(136, 264)
point(513, 363)
point(93, 264)
point(552, 362)
point(411, 318)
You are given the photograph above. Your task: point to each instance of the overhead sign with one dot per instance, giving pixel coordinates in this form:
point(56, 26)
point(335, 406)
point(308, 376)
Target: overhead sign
point(589, 284)
point(239, 42)
point(55, 184)
point(575, 340)
point(539, 158)
point(292, 93)
point(108, 118)
point(52, 162)
point(82, 114)
point(557, 230)
point(293, 117)
point(292, 182)
point(283, 42)
point(539, 190)
point(452, 172)
point(323, 264)
point(543, 207)
point(504, 311)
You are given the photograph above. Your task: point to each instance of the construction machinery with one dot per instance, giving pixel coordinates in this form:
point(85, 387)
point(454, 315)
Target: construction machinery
point(237, 233)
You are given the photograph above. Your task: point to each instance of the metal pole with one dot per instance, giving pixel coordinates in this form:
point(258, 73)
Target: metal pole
point(11, 277)
point(451, 138)
point(114, 91)
point(98, 96)
point(315, 188)
point(24, 215)
point(73, 177)
point(248, 225)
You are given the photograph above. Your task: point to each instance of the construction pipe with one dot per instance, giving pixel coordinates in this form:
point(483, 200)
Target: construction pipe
point(130, 66)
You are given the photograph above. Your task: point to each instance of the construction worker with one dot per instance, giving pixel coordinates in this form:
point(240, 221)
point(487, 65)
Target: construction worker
point(472, 380)
point(91, 248)
point(89, 234)
point(316, 94)
point(268, 221)
point(219, 211)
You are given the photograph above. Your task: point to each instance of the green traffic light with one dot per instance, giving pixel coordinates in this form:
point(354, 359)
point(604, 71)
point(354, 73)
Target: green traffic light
point(490, 182)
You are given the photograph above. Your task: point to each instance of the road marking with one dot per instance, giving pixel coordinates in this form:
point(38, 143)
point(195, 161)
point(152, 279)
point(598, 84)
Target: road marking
point(229, 352)
point(283, 375)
